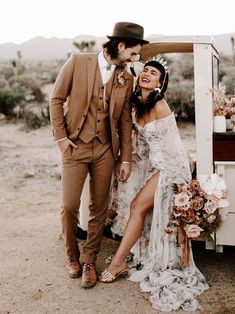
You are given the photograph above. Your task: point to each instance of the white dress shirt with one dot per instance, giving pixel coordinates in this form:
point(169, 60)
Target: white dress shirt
point(106, 69)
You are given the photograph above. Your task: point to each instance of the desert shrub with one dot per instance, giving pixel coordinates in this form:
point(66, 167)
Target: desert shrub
point(183, 67)
point(227, 74)
point(39, 96)
point(3, 83)
point(229, 81)
point(180, 93)
point(44, 71)
point(180, 97)
point(35, 115)
point(33, 86)
point(10, 96)
point(21, 90)
point(7, 71)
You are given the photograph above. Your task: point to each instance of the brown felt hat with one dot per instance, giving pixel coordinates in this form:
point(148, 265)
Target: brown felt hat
point(128, 30)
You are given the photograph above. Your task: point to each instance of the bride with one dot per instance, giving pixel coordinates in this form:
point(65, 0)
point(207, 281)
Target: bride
point(159, 163)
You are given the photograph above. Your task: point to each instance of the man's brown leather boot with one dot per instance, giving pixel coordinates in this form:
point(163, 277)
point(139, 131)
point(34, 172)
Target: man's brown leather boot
point(89, 275)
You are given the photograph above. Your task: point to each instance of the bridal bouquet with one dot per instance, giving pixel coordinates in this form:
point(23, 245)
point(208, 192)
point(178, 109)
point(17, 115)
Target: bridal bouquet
point(195, 209)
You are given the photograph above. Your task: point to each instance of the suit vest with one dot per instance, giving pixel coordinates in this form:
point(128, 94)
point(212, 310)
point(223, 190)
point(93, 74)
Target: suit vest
point(97, 123)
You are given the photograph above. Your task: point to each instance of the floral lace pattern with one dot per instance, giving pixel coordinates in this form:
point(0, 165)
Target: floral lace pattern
point(158, 147)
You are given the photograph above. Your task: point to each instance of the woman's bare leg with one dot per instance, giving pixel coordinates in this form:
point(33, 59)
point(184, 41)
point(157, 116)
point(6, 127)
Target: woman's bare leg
point(140, 206)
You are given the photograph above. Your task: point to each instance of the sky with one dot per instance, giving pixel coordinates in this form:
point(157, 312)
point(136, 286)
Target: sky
point(22, 20)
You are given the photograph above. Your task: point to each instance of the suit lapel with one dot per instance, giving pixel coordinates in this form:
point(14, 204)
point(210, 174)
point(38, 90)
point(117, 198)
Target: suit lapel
point(91, 69)
point(114, 91)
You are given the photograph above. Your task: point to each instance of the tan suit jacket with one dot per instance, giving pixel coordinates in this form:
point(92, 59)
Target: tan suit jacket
point(74, 86)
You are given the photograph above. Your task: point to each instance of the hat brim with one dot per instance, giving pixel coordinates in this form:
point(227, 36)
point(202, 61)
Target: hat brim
point(141, 41)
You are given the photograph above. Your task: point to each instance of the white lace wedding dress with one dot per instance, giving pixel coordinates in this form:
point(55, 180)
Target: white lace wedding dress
point(157, 147)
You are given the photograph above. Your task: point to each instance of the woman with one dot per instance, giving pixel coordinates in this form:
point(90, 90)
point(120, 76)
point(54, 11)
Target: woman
point(160, 162)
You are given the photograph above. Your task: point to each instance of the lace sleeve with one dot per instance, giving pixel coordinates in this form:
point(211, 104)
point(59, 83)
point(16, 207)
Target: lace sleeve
point(176, 159)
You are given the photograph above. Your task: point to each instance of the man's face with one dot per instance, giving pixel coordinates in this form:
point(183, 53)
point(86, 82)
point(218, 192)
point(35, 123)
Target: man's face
point(126, 55)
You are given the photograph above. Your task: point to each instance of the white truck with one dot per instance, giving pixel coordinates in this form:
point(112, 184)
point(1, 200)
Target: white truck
point(214, 152)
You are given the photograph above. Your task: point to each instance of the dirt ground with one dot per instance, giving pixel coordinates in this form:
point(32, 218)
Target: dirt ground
point(33, 277)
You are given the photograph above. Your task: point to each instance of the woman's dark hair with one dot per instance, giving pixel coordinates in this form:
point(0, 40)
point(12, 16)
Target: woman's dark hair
point(142, 108)
point(111, 46)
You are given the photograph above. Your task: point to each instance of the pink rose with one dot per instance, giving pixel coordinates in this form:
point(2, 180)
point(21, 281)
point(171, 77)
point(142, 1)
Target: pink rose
point(211, 206)
point(192, 231)
point(181, 199)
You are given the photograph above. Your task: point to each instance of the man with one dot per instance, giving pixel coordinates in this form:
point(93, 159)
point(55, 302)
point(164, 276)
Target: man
point(91, 120)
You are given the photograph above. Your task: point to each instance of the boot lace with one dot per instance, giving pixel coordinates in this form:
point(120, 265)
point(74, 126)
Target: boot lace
point(88, 267)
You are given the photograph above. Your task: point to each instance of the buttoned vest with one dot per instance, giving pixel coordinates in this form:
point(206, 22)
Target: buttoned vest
point(97, 122)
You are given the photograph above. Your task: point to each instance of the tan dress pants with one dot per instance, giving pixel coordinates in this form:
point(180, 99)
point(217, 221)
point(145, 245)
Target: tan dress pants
point(97, 159)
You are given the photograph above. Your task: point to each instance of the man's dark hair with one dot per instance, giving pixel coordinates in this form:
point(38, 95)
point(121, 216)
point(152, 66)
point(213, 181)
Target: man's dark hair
point(111, 46)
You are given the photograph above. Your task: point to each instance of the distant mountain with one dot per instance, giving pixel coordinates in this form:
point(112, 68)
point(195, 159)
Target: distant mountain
point(41, 48)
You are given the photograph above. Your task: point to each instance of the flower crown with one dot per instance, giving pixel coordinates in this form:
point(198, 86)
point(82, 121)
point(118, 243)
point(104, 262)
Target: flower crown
point(160, 60)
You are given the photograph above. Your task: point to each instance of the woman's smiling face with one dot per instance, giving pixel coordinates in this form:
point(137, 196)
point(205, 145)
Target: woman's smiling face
point(149, 78)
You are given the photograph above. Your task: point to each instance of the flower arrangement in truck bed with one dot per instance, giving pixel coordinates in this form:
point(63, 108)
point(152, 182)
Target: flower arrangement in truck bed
point(229, 106)
point(219, 99)
point(224, 105)
point(195, 209)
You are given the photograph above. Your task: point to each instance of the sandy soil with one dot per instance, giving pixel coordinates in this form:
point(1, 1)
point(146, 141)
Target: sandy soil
point(33, 277)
